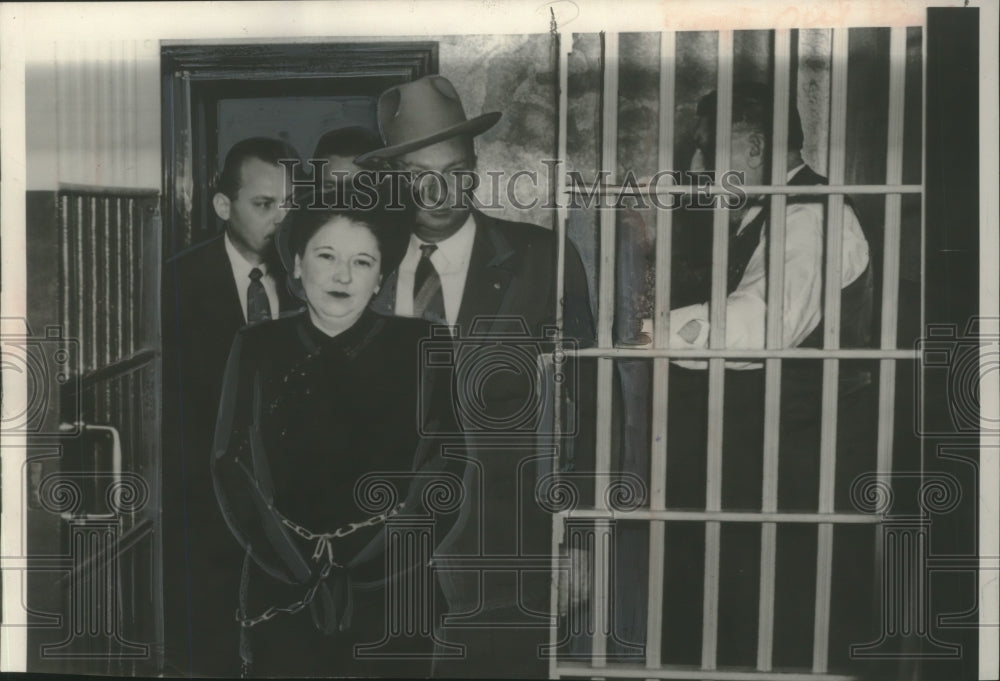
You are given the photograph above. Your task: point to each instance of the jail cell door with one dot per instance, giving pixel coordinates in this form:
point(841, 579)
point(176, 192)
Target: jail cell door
point(94, 495)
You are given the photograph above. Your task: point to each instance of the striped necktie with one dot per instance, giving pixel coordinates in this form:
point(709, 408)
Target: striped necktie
point(428, 299)
point(258, 306)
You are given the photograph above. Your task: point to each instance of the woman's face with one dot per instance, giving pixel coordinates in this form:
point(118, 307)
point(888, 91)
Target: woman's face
point(340, 270)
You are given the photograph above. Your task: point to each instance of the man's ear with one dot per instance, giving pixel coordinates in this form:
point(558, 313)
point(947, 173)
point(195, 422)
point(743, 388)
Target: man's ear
point(220, 202)
point(297, 267)
point(757, 146)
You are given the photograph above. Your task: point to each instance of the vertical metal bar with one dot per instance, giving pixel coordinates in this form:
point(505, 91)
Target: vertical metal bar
point(609, 163)
point(65, 271)
point(136, 286)
point(661, 366)
point(562, 63)
point(606, 298)
point(128, 314)
point(831, 333)
point(104, 268)
point(716, 366)
point(890, 266)
point(118, 290)
point(775, 339)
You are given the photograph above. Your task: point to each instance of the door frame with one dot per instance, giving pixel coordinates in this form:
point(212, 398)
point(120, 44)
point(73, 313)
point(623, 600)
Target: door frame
point(194, 75)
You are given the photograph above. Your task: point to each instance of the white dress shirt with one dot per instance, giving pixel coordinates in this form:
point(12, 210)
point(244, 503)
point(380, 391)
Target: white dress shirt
point(746, 309)
point(451, 260)
point(241, 275)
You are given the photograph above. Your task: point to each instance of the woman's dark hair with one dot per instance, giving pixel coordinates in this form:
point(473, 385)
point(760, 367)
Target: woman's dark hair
point(389, 225)
point(352, 141)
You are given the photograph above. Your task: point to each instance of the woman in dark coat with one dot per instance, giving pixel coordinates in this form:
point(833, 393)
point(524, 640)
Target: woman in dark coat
point(319, 410)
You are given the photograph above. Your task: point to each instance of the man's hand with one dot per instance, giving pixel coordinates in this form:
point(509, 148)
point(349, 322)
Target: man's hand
point(574, 584)
point(689, 332)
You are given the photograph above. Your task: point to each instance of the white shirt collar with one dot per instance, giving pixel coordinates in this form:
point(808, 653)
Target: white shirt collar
point(241, 266)
point(453, 253)
point(755, 210)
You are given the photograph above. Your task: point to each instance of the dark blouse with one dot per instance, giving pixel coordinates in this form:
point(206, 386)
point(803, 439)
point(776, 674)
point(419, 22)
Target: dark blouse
point(306, 423)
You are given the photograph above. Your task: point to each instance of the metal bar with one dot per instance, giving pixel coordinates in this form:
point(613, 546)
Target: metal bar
point(130, 315)
point(789, 353)
point(831, 332)
point(561, 209)
point(716, 369)
point(600, 608)
point(121, 367)
point(603, 459)
point(661, 366)
point(120, 257)
point(65, 271)
point(609, 163)
point(91, 190)
point(606, 301)
point(666, 187)
point(775, 339)
point(104, 275)
point(728, 516)
point(578, 669)
point(890, 266)
point(562, 62)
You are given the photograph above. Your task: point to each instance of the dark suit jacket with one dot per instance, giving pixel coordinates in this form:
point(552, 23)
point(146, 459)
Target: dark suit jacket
point(512, 274)
point(201, 316)
point(511, 279)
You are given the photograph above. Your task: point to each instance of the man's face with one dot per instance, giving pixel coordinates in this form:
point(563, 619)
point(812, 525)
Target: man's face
point(253, 216)
point(440, 212)
point(746, 153)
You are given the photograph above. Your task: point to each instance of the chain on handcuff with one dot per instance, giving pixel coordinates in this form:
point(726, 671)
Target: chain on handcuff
point(324, 547)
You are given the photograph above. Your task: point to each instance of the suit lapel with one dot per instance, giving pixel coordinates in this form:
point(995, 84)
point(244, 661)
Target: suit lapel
point(488, 280)
point(219, 288)
point(385, 301)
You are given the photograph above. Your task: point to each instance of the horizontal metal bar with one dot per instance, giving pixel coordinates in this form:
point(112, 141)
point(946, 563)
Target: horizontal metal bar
point(123, 543)
point(119, 368)
point(90, 190)
point(632, 670)
point(789, 353)
point(683, 189)
point(725, 516)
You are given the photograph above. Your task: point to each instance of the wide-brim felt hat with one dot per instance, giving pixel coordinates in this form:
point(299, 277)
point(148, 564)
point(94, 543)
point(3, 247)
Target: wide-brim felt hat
point(420, 113)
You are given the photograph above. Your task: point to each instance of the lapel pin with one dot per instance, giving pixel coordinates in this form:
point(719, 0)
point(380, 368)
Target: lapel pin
point(496, 285)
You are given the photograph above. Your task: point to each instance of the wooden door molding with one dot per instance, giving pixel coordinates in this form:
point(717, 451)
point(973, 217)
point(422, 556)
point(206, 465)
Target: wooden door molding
point(195, 76)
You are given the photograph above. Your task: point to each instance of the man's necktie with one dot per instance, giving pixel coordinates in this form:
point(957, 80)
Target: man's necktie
point(428, 299)
point(258, 306)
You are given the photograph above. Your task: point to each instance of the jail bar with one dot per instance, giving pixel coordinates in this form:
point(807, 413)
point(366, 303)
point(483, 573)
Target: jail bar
point(605, 311)
point(727, 516)
point(831, 332)
point(620, 671)
point(790, 353)
point(663, 189)
point(890, 266)
point(661, 366)
point(775, 339)
point(562, 61)
point(716, 367)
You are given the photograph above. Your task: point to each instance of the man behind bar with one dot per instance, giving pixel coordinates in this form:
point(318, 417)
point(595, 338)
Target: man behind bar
point(746, 282)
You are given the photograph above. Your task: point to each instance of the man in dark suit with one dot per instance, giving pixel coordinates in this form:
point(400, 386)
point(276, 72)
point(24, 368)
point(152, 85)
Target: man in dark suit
point(209, 292)
point(494, 282)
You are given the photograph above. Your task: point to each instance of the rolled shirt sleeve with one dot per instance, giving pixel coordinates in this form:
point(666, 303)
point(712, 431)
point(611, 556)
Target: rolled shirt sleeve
point(746, 307)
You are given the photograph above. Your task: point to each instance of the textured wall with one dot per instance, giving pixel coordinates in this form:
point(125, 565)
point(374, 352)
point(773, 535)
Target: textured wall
point(514, 75)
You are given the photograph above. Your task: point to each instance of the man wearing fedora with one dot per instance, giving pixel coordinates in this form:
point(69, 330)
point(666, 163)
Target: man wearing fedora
point(485, 277)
